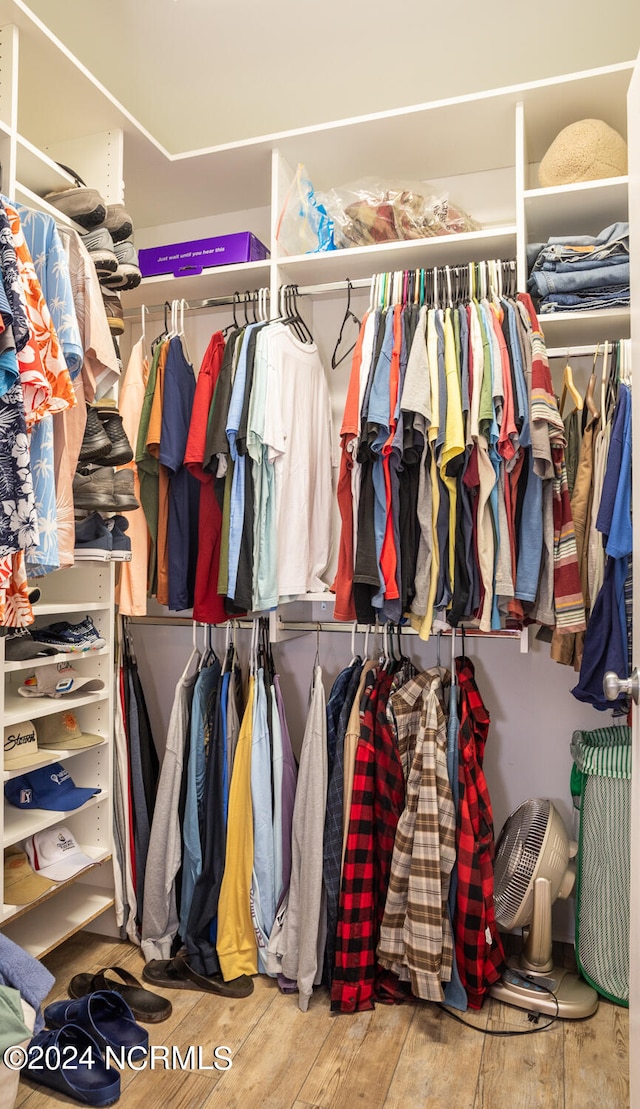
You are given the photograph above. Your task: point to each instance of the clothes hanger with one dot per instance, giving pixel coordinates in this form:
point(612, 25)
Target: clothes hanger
point(569, 387)
point(195, 653)
point(354, 628)
point(301, 322)
point(160, 338)
point(316, 661)
point(348, 315)
point(144, 311)
point(234, 325)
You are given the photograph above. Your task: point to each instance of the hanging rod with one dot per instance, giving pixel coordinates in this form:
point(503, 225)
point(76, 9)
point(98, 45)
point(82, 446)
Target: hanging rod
point(221, 302)
point(580, 352)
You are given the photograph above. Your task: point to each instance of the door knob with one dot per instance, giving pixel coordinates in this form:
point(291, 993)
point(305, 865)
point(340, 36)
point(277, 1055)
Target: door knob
point(614, 686)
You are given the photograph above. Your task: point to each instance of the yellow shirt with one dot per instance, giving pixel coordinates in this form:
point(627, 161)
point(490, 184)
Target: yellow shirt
point(236, 943)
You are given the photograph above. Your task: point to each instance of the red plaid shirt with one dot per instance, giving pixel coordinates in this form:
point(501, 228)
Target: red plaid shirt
point(376, 804)
point(479, 951)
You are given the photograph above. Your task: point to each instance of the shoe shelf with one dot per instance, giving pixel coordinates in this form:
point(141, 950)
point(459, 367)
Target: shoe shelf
point(17, 708)
point(53, 660)
point(38, 171)
point(26, 196)
point(47, 925)
point(12, 912)
point(59, 608)
point(212, 282)
point(51, 755)
point(21, 823)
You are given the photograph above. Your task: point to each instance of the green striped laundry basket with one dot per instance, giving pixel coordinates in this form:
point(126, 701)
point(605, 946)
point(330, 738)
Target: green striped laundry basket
point(601, 786)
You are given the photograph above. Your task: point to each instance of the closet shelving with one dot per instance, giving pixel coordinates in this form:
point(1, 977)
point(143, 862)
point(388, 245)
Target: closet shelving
point(74, 904)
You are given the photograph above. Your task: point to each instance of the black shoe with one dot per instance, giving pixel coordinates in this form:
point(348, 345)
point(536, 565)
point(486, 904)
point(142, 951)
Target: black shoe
point(120, 453)
point(96, 443)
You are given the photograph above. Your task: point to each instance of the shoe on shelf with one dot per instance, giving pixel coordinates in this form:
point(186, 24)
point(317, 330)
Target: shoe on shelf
point(121, 543)
point(96, 443)
point(127, 275)
point(118, 222)
point(124, 491)
point(121, 452)
point(93, 489)
point(83, 205)
point(93, 539)
point(102, 251)
point(113, 309)
point(70, 638)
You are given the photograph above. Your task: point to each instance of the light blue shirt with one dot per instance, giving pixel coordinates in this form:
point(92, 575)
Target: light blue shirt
point(52, 269)
point(263, 878)
point(236, 508)
point(44, 558)
point(195, 771)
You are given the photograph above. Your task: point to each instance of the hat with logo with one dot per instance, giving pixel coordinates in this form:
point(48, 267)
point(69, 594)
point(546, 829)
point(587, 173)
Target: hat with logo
point(55, 854)
point(21, 885)
point(20, 745)
point(51, 787)
point(20, 646)
point(62, 731)
point(56, 681)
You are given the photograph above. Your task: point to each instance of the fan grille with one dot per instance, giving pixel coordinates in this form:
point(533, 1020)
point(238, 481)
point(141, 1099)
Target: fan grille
point(517, 854)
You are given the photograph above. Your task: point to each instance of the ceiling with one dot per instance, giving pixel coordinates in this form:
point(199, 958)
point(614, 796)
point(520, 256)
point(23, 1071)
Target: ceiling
point(199, 73)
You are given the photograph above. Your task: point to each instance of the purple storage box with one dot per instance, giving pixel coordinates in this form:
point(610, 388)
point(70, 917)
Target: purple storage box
point(182, 259)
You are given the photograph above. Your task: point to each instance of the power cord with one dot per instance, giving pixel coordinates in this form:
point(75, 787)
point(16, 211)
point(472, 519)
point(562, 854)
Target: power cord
point(533, 1017)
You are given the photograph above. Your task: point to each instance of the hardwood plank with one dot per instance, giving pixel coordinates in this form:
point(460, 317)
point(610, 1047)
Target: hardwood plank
point(358, 1058)
point(274, 1060)
point(518, 1072)
point(428, 1071)
point(597, 1047)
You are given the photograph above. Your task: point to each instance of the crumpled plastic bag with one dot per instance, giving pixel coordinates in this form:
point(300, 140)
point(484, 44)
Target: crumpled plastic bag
point(369, 211)
point(303, 225)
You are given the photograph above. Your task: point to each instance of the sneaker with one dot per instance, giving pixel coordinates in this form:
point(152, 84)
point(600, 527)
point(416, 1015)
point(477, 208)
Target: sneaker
point(127, 275)
point(118, 222)
point(84, 206)
point(113, 309)
point(93, 539)
point(95, 442)
point(102, 251)
point(121, 452)
point(70, 638)
point(117, 525)
point(93, 489)
point(124, 491)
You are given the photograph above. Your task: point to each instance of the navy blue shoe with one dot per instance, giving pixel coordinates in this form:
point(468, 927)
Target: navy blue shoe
point(117, 526)
point(93, 539)
point(88, 1081)
point(104, 1015)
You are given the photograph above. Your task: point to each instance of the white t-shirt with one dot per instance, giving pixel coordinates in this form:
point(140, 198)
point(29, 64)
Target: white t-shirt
point(297, 434)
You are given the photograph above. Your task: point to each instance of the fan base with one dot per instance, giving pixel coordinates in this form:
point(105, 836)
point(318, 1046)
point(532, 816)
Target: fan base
point(576, 1000)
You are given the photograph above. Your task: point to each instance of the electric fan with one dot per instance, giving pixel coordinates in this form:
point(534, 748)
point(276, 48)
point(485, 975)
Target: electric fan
point(534, 866)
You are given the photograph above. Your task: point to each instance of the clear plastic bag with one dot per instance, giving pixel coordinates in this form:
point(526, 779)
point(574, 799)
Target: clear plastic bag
point(368, 211)
point(303, 225)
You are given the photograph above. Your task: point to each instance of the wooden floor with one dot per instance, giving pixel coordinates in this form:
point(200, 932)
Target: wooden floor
point(395, 1057)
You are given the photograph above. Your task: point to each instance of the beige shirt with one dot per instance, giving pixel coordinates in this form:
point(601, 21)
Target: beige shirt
point(131, 594)
point(352, 735)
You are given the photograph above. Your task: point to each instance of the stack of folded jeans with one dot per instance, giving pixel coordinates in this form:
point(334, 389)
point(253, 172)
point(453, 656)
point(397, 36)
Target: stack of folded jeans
point(580, 272)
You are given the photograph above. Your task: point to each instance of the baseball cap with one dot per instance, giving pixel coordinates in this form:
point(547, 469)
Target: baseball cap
point(51, 787)
point(55, 854)
point(56, 681)
point(20, 745)
point(21, 885)
point(21, 645)
point(61, 730)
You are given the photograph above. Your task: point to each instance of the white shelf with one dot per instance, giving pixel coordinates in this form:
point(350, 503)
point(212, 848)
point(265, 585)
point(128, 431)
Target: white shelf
point(11, 912)
point(568, 329)
point(38, 171)
point(216, 281)
point(59, 608)
point(21, 823)
point(582, 209)
point(53, 660)
point(363, 261)
point(51, 755)
point(47, 925)
point(17, 708)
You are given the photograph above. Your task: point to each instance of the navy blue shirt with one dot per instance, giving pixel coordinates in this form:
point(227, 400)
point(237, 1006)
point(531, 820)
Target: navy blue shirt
point(184, 489)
